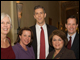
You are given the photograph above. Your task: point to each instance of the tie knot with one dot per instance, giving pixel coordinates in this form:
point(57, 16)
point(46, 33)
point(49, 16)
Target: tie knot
point(41, 28)
point(70, 37)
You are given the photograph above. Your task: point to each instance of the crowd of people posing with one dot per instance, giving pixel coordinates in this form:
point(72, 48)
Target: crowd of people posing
point(41, 41)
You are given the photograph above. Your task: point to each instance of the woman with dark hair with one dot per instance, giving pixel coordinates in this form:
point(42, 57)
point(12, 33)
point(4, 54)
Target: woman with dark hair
point(22, 47)
point(59, 40)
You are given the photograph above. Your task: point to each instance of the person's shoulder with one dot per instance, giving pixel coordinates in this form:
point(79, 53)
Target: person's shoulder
point(69, 54)
point(50, 26)
point(77, 37)
point(69, 51)
point(15, 46)
point(77, 34)
point(32, 26)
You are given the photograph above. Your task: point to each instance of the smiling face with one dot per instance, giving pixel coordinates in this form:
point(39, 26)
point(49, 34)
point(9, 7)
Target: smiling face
point(39, 15)
point(71, 26)
point(5, 25)
point(25, 38)
point(57, 42)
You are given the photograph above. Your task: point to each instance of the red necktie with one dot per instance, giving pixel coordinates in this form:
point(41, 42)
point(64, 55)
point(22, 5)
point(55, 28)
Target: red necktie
point(42, 44)
point(69, 43)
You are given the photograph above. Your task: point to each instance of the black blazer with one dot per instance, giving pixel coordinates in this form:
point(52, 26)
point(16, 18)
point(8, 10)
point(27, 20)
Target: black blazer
point(34, 43)
point(75, 46)
point(63, 54)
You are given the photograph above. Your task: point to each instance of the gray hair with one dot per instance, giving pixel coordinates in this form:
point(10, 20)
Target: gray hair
point(4, 15)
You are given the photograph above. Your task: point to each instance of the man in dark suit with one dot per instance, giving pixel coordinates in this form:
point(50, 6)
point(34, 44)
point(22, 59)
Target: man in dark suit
point(71, 25)
point(40, 15)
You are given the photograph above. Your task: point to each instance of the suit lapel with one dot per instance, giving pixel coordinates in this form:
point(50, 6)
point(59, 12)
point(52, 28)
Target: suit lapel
point(75, 42)
point(48, 30)
point(34, 31)
point(34, 44)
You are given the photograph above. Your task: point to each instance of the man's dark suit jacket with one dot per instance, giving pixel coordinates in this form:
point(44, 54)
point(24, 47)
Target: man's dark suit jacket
point(34, 43)
point(75, 46)
point(63, 54)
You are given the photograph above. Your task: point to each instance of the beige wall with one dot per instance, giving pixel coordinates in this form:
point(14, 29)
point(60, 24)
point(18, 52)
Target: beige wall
point(6, 8)
point(54, 12)
point(27, 20)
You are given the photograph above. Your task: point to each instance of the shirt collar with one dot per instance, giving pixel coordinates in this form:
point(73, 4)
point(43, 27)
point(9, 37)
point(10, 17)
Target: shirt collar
point(73, 36)
point(38, 26)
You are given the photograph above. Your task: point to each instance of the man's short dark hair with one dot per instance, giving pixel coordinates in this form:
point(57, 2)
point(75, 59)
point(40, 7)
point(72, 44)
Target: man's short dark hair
point(72, 16)
point(39, 6)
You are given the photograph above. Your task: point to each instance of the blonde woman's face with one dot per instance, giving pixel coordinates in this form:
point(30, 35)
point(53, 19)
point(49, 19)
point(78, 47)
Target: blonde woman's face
point(5, 25)
point(57, 42)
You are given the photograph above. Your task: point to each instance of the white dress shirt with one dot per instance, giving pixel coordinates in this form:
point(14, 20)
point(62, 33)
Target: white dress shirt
point(72, 38)
point(38, 31)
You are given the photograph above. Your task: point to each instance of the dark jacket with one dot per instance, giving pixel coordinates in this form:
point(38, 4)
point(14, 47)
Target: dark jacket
point(63, 54)
point(34, 43)
point(75, 46)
